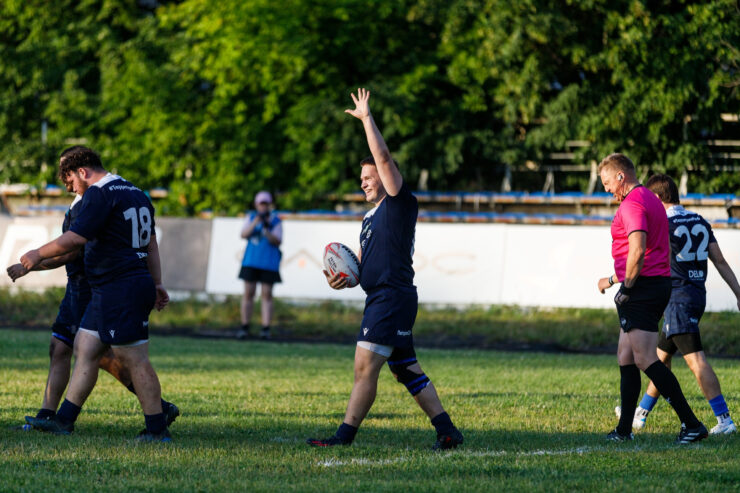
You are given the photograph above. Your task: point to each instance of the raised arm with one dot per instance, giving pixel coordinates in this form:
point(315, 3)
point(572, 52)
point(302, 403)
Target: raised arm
point(388, 171)
point(724, 269)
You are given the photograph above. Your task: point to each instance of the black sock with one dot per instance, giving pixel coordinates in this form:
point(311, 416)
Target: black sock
point(346, 433)
point(666, 383)
point(629, 389)
point(45, 413)
point(68, 412)
point(245, 328)
point(130, 387)
point(155, 423)
point(443, 424)
point(165, 405)
point(265, 328)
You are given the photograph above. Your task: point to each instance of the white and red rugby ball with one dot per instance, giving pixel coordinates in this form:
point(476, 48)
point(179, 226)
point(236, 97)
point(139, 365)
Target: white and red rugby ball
point(338, 258)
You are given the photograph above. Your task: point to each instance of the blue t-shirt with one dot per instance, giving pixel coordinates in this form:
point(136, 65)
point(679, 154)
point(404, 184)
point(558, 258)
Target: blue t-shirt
point(118, 221)
point(76, 267)
point(260, 253)
point(387, 242)
point(690, 236)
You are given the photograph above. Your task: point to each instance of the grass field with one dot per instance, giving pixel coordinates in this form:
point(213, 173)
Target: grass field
point(532, 422)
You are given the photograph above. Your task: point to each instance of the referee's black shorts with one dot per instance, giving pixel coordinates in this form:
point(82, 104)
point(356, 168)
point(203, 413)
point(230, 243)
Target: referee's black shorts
point(648, 300)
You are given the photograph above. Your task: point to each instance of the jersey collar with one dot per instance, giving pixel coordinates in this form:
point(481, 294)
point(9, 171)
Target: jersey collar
point(676, 210)
point(106, 179)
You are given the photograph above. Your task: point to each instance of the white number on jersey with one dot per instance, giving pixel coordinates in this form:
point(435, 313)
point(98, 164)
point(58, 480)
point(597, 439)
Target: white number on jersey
point(141, 226)
point(686, 255)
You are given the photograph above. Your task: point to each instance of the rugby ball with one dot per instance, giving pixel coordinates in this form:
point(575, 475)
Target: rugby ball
point(338, 258)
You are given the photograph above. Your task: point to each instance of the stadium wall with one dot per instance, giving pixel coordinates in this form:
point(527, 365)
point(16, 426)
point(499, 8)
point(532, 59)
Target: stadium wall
point(527, 265)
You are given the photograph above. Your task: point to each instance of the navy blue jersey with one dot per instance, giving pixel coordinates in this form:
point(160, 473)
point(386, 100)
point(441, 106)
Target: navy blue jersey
point(690, 238)
point(118, 221)
point(387, 242)
point(76, 267)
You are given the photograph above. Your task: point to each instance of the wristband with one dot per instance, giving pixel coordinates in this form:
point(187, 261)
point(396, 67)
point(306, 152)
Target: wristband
point(611, 280)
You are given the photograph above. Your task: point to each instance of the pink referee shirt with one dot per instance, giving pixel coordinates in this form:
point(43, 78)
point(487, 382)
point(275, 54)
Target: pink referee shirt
point(641, 210)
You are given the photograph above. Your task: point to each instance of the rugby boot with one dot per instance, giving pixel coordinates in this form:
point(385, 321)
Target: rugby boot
point(51, 425)
point(615, 436)
point(724, 428)
point(448, 441)
point(638, 421)
point(148, 437)
point(23, 427)
point(171, 412)
point(691, 435)
point(326, 442)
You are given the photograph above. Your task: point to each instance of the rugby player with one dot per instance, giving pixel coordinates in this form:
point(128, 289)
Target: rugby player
point(641, 251)
point(115, 224)
point(386, 275)
point(692, 243)
point(76, 297)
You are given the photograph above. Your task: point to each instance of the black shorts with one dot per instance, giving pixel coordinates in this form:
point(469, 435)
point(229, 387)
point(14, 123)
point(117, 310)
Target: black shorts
point(252, 274)
point(686, 343)
point(646, 305)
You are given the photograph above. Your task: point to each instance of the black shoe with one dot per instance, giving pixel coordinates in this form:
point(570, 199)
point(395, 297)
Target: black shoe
point(242, 334)
point(24, 427)
point(691, 435)
point(448, 441)
point(171, 412)
point(327, 442)
point(265, 334)
point(615, 436)
point(147, 437)
point(51, 425)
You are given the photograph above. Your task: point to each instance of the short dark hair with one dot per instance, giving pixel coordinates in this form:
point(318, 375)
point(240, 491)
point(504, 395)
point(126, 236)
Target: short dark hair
point(371, 161)
point(617, 160)
point(664, 187)
point(76, 157)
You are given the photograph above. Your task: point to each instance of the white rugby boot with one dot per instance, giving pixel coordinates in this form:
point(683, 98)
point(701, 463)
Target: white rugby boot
point(638, 421)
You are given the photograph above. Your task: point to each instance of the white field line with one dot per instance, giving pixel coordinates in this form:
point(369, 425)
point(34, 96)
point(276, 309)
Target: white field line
point(485, 453)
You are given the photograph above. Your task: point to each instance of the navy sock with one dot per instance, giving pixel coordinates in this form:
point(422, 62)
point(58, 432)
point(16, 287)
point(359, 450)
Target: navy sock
point(45, 413)
point(165, 404)
point(155, 423)
point(666, 383)
point(130, 387)
point(629, 388)
point(443, 424)
point(346, 433)
point(68, 412)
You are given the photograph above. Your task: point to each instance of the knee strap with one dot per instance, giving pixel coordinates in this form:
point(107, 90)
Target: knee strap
point(414, 382)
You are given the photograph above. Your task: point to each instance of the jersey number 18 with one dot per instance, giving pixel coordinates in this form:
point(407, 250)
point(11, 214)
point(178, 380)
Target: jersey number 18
point(141, 226)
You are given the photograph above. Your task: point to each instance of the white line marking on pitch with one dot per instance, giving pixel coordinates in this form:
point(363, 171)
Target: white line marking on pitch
point(484, 453)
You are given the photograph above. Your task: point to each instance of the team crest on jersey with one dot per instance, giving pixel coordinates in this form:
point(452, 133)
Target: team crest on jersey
point(365, 331)
point(112, 333)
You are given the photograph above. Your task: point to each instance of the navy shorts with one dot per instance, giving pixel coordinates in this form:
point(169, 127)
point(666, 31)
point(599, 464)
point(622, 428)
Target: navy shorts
point(389, 317)
point(73, 306)
point(119, 310)
point(682, 318)
point(647, 302)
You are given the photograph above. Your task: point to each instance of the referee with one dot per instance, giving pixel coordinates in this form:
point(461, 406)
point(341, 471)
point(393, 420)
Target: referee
point(641, 252)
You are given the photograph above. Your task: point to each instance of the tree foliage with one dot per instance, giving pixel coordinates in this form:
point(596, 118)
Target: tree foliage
point(216, 100)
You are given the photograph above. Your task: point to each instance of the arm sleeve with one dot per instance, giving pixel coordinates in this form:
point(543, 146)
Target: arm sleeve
point(634, 217)
point(93, 213)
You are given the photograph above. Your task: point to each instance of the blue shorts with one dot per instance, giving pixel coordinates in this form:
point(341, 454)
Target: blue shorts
point(73, 306)
point(682, 318)
point(119, 310)
point(389, 317)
